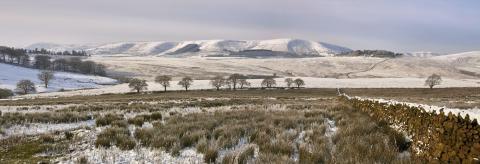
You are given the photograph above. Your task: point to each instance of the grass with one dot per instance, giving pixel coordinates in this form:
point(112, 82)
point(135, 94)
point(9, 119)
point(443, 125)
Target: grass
point(247, 154)
point(82, 160)
point(175, 95)
point(269, 122)
point(47, 138)
point(118, 136)
point(25, 149)
point(275, 132)
point(108, 119)
point(44, 117)
point(140, 119)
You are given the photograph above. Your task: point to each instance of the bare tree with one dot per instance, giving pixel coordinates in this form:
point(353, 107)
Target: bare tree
point(217, 82)
point(186, 82)
point(60, 64)
point(243, 83)
point(26, 86)
point(45, 77)
point(433, 80)
point(42, 62)
point(228, 84)
point(164, 80)
point(299, 82)
point(269, 82)
point(289, 82)
point(138, 85)
point(234, 79)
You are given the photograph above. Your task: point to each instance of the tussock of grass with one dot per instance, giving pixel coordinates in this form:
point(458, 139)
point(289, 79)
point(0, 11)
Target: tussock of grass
point(244, 156)
point(47, 138)
point(211, 154)
point(82, 160)
point(117, 136)
point(228, 158)
point(68, 135)
point(137, 121)
point(107, 119)
point(140, 119)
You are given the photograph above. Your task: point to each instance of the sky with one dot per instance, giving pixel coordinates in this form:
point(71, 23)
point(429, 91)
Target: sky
point(443, 26)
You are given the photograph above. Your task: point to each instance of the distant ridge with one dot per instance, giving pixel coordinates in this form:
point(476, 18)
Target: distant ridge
point(292, 47)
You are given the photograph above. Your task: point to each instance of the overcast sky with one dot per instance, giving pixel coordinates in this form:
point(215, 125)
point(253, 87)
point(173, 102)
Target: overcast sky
point(403, 26)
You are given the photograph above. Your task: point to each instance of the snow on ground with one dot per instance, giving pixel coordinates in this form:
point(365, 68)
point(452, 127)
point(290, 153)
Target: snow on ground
point(241, 146)
point(138, 155)
point(310, 83)
point(147, 67)
point(40, 128)
point(473, 113)
point(32, 109)
point(10, 75)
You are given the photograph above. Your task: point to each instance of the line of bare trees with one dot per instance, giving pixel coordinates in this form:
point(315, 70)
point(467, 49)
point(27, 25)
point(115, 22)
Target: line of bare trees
point(232, 82)
point(21, 57)
point(74, 64)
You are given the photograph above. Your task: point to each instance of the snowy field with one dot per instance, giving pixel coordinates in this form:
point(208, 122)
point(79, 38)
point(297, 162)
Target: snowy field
point(310, 83)
point(10, 75)
point(455, 66)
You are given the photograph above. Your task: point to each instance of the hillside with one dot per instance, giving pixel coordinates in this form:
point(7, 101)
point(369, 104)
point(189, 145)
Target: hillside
point(466, 63)
point(204, 47)
point(10, 75)
point(454, 66)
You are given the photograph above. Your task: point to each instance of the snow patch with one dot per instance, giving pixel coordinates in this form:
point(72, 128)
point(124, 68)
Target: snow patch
point(41, 128)
point(11, 74)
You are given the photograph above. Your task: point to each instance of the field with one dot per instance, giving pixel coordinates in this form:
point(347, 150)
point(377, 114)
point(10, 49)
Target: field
point(245, 126)
point(455, 66)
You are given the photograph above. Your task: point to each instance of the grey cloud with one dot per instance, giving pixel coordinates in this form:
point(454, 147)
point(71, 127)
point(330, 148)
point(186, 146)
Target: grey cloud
point(444, 26)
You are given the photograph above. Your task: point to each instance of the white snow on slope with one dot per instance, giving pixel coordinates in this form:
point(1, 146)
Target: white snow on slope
point(60, 47)
point(10, 75)
point(422, 54)
point(147, 67)
point(468, 62)
point(296, 46)
point(310, 83)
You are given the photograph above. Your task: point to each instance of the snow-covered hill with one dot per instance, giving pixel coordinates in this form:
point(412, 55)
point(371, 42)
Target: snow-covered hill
point(204, 47)
point(10, 75)
point(466, 63)
point(60, 47)
point(423, 54)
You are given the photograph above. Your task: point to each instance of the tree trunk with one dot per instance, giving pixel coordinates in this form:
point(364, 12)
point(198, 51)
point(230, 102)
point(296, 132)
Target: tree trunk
point(218, 88)
point(186, 88)
point(165, 88)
